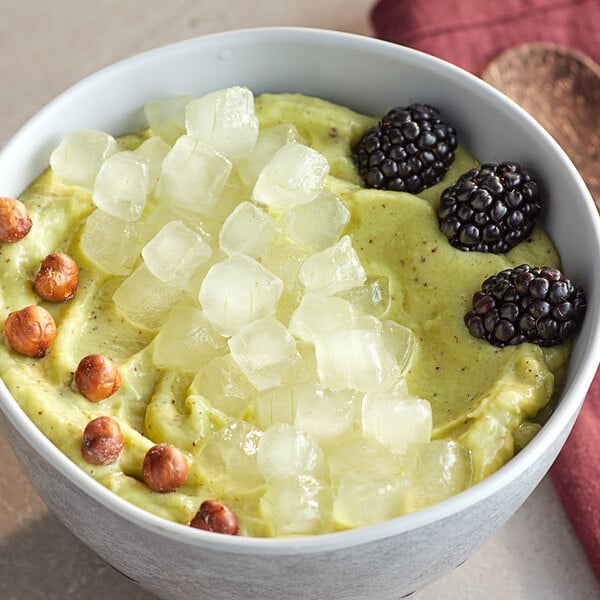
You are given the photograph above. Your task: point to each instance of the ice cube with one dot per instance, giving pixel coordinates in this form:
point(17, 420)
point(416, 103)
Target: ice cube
point(156, 219)
point(398, 387)
point(300, 505)
point(399, 341)
point(113, 244)
point(248, 230)
point(153, 152)
point(355, 358)
point(266, 352)
point(365, 498)
point(197, 279)
point(234, 192)
point(275, 405)
point(333, 270)
point(286, 451)
point(229, 457)
point(237, 291)
point(372, 298)
point(285, 258)
point(144, 299)
point(187, 341)
point(121, 187)
point(174, 254)
point(355, 452)
point(396, 420)
point(294, 175)
point(370, 323)
point(318, 224)
point(438, 470)
point(318, 315)
point(225, 120)
point(323, 412)
point(79, 156)
point(225, 386)
point(269, 140)
point(279, 404)
point(166, 118)
point(192, 176)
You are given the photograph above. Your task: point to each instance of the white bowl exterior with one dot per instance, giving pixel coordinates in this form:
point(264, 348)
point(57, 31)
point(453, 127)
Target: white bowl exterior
point(382, 561)
point(389, 566)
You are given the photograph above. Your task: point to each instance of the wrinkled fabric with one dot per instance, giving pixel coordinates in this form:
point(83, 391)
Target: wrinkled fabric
point(470, 33)
point(576, 476)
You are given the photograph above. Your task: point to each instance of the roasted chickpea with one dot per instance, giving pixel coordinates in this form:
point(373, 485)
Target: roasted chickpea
point(102, 441)
point(97, 377)
point(30, 331)
point(57, 279)
point(216, 517)
point(165, 468)
point(15, 223)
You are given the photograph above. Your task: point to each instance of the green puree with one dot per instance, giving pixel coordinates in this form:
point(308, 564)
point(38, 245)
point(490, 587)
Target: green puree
point(484, 397)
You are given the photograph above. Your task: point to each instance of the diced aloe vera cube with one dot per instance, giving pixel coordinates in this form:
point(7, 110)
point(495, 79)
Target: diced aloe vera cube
point(174, 254)
point(144, 299)
point(79, 156)
point(225, 120)
point(187, 341)
point(121, 186)
point(192, 176)
point(113, 244)
point(294, 175)
point(166, 118)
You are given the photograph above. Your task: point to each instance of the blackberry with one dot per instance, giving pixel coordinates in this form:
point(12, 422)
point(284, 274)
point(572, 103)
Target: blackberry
point(409, 150)
point(526, 304)
point(490, 209)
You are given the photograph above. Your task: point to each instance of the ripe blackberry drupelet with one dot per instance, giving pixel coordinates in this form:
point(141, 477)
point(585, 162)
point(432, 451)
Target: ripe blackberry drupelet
point(526, 304)
point(490, 209)
point(409, 150)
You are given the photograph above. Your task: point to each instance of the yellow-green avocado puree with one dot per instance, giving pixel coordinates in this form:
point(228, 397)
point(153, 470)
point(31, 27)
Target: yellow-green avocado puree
point(484, 397)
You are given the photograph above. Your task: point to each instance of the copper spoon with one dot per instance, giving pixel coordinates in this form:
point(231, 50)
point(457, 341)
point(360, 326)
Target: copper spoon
point(560, 88)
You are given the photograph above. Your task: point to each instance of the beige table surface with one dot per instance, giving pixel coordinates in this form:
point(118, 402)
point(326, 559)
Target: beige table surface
point(47, 46)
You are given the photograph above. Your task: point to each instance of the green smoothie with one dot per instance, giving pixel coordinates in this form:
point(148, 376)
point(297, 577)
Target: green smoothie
point(484, 398)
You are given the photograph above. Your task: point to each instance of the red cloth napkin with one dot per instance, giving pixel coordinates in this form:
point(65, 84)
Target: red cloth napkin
point(470, 33)
point(576, 476)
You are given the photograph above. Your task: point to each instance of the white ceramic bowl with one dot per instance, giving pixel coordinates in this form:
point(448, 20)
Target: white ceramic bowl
point(388, 560)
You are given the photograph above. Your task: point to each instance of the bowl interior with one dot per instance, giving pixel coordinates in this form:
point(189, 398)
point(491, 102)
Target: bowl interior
point(369, 76)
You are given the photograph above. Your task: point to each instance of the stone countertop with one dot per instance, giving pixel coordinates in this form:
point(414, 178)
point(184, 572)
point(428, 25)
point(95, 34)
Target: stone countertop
point(42, 52)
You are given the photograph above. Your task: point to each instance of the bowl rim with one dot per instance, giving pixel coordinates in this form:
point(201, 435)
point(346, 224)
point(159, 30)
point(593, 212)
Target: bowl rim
point(571, 399)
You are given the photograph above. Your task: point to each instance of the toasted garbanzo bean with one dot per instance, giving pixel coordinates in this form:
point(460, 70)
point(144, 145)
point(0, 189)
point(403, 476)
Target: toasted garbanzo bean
point(57, 279)
point(97, 377)
point(30, 331)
